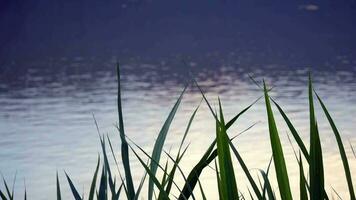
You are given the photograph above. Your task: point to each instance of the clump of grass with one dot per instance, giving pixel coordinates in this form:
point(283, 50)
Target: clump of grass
point(311, 186)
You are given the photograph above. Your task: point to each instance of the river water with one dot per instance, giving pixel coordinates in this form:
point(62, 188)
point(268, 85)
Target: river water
point(46, 121)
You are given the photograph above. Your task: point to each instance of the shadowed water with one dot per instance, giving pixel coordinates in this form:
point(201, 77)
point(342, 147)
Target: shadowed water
point(46, 121)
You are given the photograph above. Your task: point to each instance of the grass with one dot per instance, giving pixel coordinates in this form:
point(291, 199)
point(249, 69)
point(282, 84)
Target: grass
point(108, 182)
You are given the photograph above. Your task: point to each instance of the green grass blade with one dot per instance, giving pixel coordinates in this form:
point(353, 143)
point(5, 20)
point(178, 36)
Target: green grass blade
point(202, 191)
point(233, 120)
point(227, 175)
point(157, 149)
point(268, 187)
point(294, 132)
point(187, 128)
point(117, 195)
point(179, 156)
point(102, 195)
point(124, 146)
point(316, 169)
point(7, 189)
point(265, 183)
point(2, 195)
point(278, 157)
point(59, 197)
point(341, 149)
point(164, 178)
point(176, 166)
point(246, 171)
point(206, 100)
point(221, 196)
point(302, 182)
point(73, 189)
point(195, 172)
point(152, 176)
point(140, 186)
point(93, 182)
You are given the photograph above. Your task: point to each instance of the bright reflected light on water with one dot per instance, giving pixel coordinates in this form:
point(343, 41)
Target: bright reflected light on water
point(46, 120)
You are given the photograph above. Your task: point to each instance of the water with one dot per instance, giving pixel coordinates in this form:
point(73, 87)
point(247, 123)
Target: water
point(46, 121)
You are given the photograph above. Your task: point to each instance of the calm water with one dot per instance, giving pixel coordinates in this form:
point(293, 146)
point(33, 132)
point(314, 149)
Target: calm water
point(46, 119)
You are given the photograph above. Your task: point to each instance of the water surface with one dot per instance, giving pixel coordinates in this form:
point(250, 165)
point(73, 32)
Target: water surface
point(46, 121)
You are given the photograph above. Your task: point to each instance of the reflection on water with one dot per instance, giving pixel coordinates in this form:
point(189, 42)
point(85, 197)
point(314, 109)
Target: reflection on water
point(46, 117)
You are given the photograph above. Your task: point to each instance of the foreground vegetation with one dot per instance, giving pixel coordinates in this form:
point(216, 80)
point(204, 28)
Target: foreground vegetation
point(220, 154)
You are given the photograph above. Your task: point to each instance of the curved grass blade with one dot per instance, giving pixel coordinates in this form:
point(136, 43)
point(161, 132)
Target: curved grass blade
point(246, 171)
point(117, 195)
point(278, 157)
point(59, 197)
point(221, 196)
point(316, 169)
point(124, 147)
point(179, 156)
point(140, 186)
point(164, 178)
point(201, 190)
point(177, 167)
point(294, 132)
point(227, 175)
point(93, 182)
point(302, 182)
point(157, 149)
point(341, 149)
point(152, 176)
point(206, 100)
point(233, 120)
point(73, 189)
point(195, 173)
point(267, 185)
point(158, 165)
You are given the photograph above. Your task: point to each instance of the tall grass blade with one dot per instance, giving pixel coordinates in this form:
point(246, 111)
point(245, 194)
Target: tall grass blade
point(227, 175)
point(152, 176)
point(233, 120)
point(202, 191)
point(179, 156)
point(341, 149)
point(140, 186)
point(277, 151)
point(221, 196)
point(265, 183)
point(316, 169)
point(246, 171)
point(157, 149)
point(302, 182)
point(124, 146)
point(196, 171)
point(268, 187)
point(102, 195)
point(59, 197)
point(294, 132)
point(76, 195)
point(93, 182)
